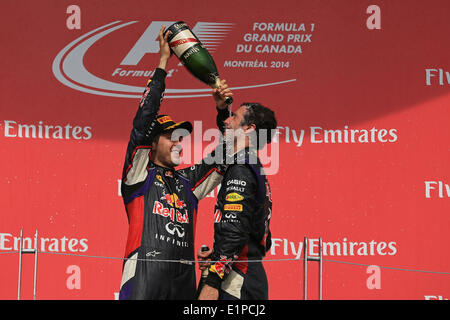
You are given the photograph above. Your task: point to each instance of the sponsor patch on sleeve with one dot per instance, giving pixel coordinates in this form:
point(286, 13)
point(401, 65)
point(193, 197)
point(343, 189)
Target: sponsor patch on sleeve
point(232, 207)
point(232, 197)
point(164, 119)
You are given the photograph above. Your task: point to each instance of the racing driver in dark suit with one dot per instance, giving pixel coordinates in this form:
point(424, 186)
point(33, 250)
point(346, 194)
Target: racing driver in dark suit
point(161, 203)
point(243, 209)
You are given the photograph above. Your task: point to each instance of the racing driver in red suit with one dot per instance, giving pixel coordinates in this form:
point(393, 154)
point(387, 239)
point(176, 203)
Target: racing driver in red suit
point(161, 202)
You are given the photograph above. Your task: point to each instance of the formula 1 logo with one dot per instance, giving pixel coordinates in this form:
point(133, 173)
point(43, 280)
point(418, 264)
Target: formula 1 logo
point(71, 69)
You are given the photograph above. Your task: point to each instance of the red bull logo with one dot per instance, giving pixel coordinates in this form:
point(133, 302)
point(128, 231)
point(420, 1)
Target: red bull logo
point(173, 201)
point(221, 267)
point(168, 174)
point(172, 213)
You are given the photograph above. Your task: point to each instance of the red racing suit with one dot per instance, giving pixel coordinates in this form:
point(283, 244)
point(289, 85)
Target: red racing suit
point(161, 206)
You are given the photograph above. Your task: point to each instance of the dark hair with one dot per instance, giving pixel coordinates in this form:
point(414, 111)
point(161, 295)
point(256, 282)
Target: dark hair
point(263, 118)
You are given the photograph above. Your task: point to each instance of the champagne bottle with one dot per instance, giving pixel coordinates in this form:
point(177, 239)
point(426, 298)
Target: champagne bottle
point(194, 56)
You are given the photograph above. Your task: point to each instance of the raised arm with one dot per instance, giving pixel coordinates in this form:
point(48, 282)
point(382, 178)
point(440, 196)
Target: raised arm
point(223, 111)
point(143, 121)
point(207, 175)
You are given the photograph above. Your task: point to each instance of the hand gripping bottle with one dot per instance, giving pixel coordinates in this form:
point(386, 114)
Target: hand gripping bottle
point(194, 56)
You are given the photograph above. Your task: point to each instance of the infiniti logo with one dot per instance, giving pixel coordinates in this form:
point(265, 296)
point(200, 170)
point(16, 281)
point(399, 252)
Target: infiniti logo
point(69, 69)
point(173, 228)
point(230, 216)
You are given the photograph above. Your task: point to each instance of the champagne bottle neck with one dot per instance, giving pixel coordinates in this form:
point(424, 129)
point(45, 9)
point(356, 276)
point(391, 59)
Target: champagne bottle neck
point(216, 84)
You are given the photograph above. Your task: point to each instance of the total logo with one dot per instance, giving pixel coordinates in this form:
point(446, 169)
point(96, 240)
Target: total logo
point(119, 78)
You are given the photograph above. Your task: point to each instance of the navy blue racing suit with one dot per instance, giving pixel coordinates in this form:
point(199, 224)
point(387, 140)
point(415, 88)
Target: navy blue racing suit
point(161, 206)
point(241, 230)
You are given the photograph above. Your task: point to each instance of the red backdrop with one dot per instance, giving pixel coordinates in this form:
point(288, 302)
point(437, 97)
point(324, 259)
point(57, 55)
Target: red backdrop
point(361, 95)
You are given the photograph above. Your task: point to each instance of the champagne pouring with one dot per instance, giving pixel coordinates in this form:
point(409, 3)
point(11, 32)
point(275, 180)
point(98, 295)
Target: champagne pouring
point(194, 56)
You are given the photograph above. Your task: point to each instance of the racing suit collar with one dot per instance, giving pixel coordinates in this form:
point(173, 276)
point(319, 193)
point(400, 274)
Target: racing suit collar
point(247, 154)
point(162, 168)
